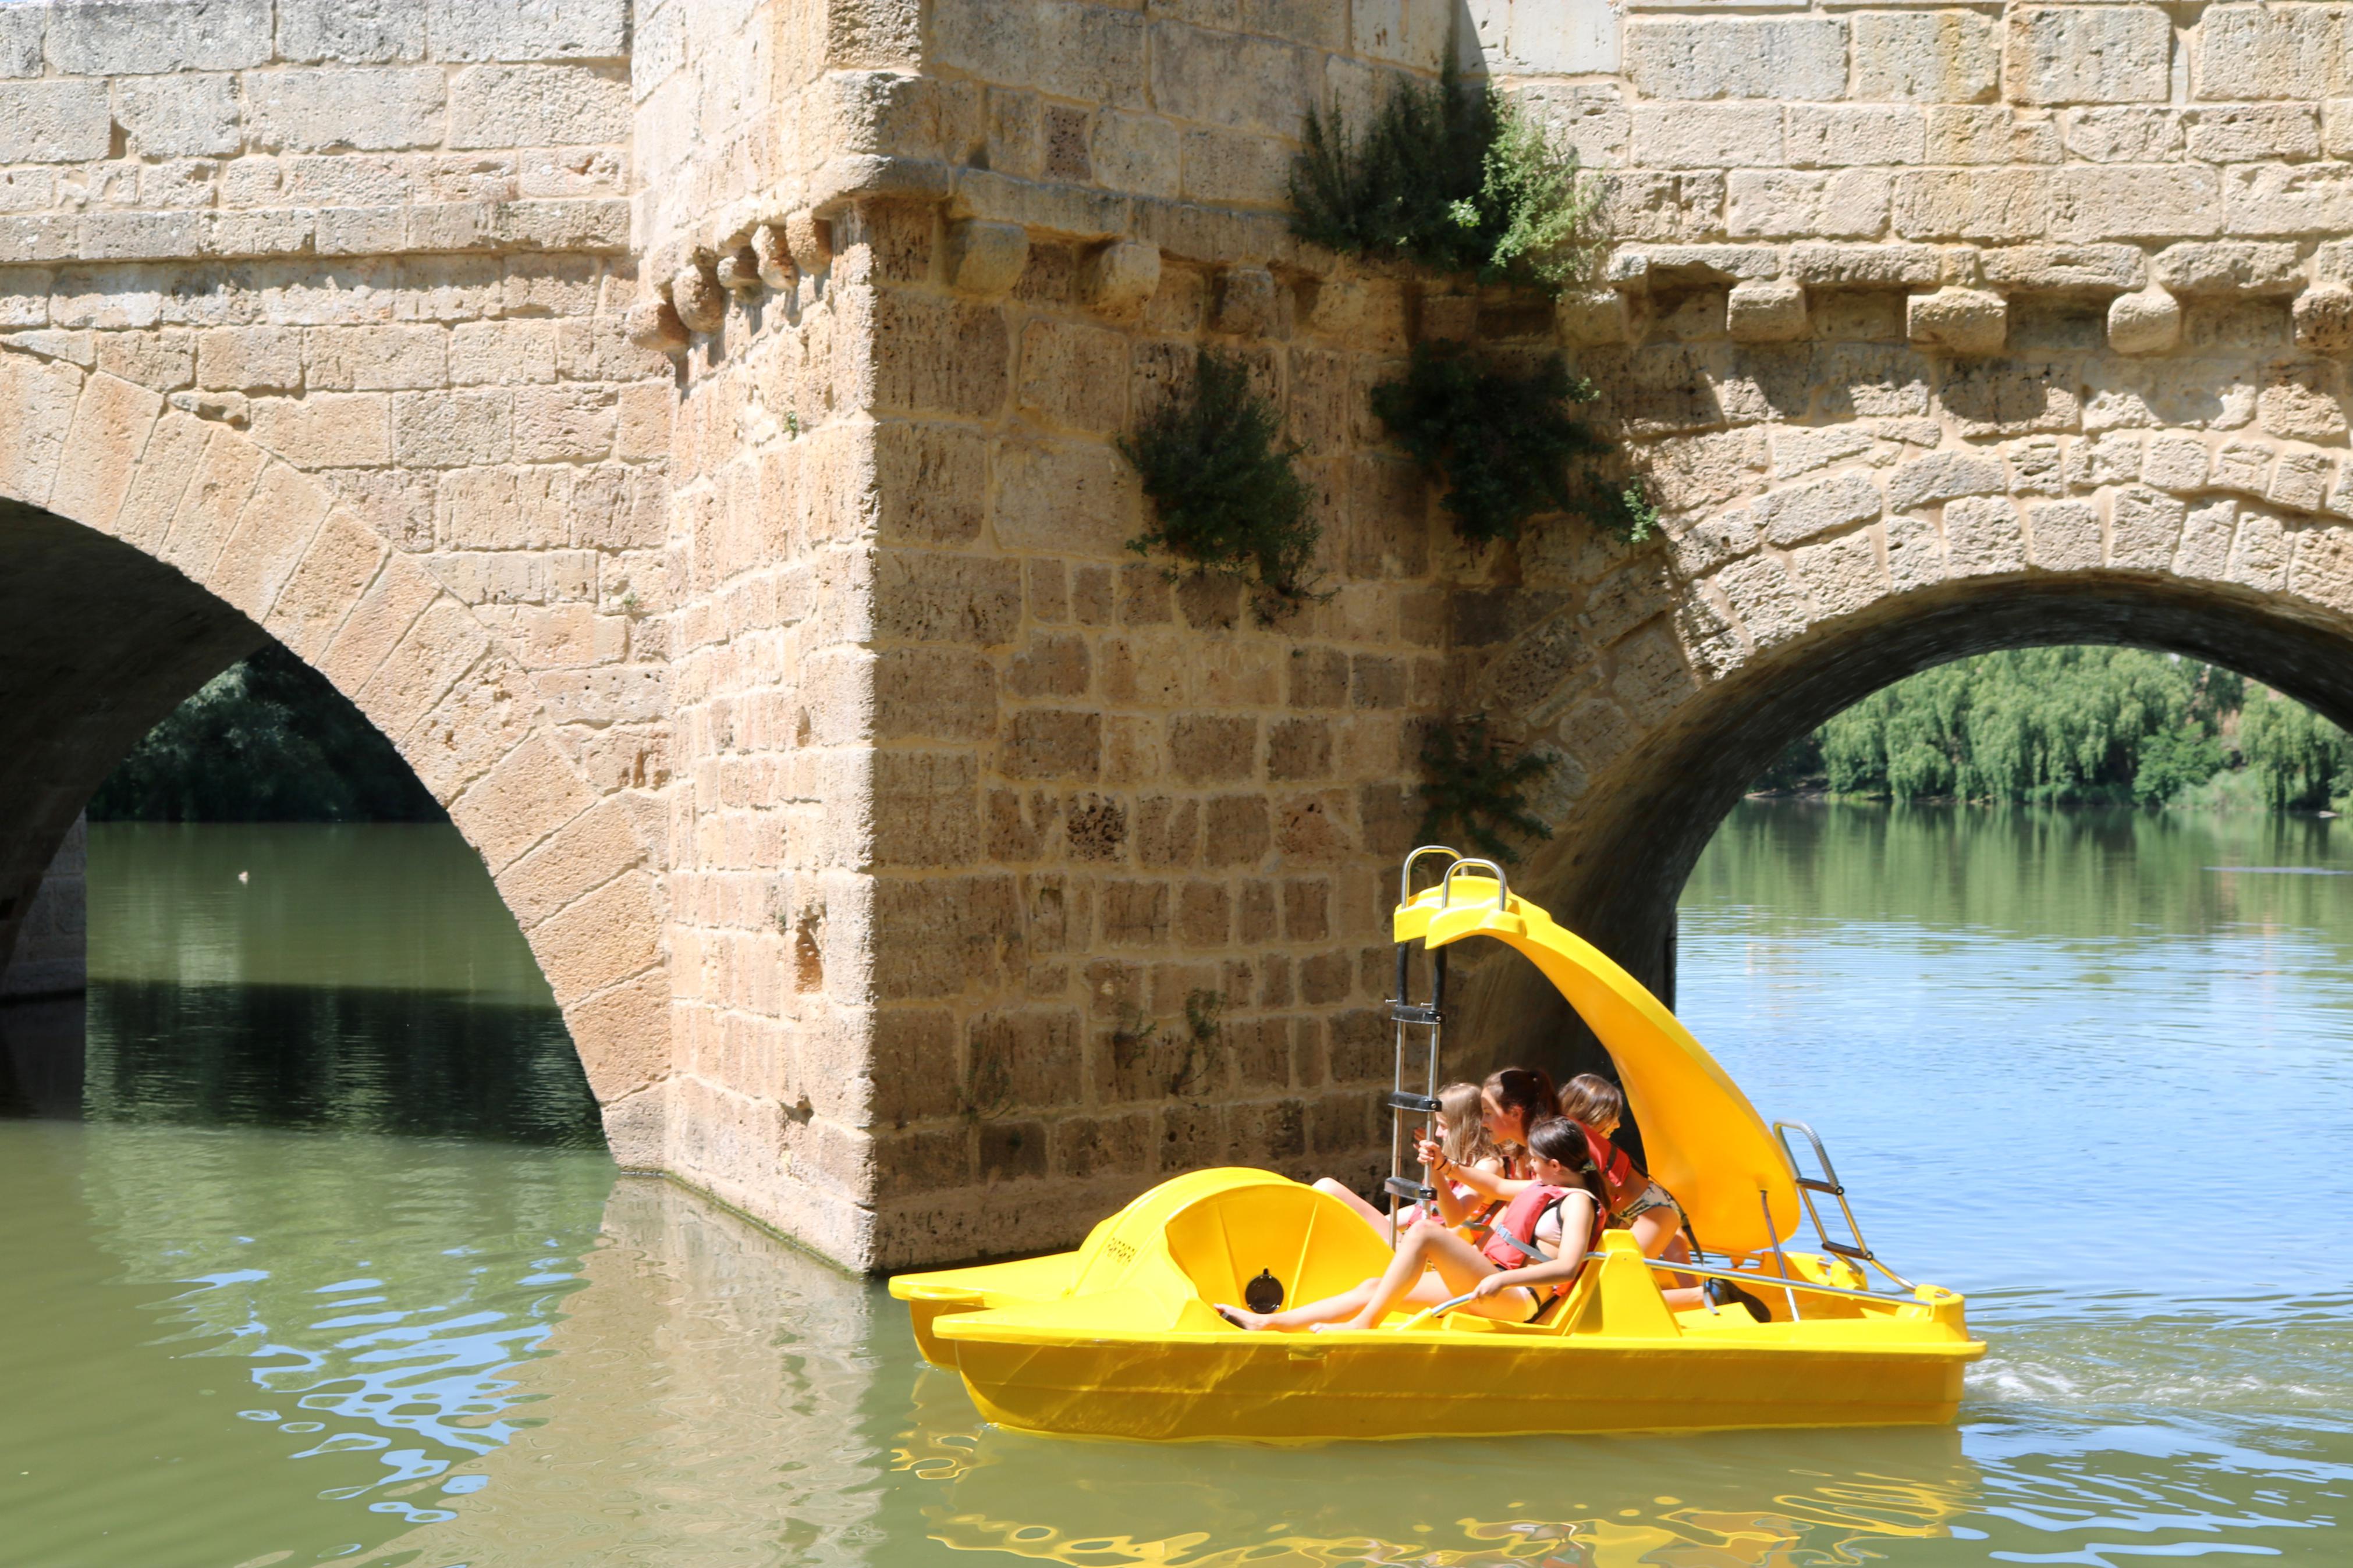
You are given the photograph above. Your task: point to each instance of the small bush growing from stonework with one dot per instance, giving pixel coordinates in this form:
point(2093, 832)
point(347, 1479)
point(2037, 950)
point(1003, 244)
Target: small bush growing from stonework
point(1506, 447)
point(1225, 495)
point(1449, 177)
point(1475, 784)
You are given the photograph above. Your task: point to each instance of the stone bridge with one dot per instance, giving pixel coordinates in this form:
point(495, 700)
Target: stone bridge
point(685, 427)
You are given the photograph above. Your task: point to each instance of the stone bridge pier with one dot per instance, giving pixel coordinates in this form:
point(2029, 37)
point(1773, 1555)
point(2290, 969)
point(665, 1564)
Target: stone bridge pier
point(687, 429)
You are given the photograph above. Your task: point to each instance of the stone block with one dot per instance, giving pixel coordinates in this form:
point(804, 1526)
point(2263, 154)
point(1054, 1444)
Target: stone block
point(1116, 279)
point(1971, 204)
point(1775, 204)
point(1066, 499)
point(2248, 132)
point(2065, 268)
point(1230, 167)
point(340, 31)
point(2147, 321)
point(1794, 516)
point(984, 260)
point(539, 30)
point(54, 121)
point(1983, 535)
point(1943, 477)
point(1778, 57)
point(136, 38)
point(345, 110)
point(22, 28)
point(2229, 267)
point(2089, 54)
point(2124, 202)
point(1988, 133)
point(1233, 80)
point(1765, 312)
point(2269, 51)
point(538, 106)
point(1932, 57)
point(1878, 267)
point(2287, 199)
point(111, 422)
point(1709, 136)
point(654, 324)
point(1841, 135)
point(1957, 322)
point(2145, 529)
point(180, 116)
point(2206, 536)
point(2065, 536)
point(2324, 320)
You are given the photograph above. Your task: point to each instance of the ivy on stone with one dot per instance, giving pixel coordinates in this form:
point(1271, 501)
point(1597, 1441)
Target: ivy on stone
point(1474, 786)
point(1226, 494)
point(1451, 178)
point(1505, 445)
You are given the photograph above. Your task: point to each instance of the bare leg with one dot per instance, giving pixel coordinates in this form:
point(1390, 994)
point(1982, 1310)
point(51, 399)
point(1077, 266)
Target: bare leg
point(1457, 1266)
point(1659, 1233)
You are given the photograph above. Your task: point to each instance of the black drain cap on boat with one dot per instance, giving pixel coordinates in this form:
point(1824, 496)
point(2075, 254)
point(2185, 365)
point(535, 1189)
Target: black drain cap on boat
point(1264, 1294)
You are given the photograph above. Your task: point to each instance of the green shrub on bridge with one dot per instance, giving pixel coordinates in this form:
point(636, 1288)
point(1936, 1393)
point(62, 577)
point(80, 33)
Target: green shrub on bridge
point(1506, 447)
point(1474, 784)
point(1451, 178)
point(1226, 496)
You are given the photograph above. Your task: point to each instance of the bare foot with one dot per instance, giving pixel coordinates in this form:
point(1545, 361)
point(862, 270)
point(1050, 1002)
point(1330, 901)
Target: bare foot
point(1254, 1323)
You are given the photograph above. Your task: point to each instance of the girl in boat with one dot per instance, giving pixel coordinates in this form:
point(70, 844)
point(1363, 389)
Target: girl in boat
point(1530, 1257)
point(1462, 1134)
point(1637, 1203)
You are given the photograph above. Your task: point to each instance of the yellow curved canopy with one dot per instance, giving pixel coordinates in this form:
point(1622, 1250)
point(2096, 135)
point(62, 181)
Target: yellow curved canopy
point(1703, 1138)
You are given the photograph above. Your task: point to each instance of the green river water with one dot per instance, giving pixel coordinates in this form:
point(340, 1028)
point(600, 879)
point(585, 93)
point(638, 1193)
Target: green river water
point(333, 1267)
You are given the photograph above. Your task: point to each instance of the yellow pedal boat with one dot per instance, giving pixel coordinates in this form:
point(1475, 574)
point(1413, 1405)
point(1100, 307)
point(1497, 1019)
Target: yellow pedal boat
point(1121, 1338)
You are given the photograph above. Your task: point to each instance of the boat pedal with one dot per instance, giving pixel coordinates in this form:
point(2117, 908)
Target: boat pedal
point(1264, 1294)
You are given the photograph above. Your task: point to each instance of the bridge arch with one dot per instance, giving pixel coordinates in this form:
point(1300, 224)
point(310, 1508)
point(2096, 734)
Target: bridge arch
point(143, 549)
point(1672, 683)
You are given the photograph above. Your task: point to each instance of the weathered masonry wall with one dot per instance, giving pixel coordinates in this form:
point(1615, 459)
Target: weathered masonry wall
point(711, 403)
point(321, 304)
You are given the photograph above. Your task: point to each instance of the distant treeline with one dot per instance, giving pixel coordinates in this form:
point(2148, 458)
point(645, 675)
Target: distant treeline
point(2081, 724)
point(268, 740)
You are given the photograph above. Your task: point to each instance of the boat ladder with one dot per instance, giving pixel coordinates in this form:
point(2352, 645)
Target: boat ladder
point(1406, 1104)
point(1855, 1250)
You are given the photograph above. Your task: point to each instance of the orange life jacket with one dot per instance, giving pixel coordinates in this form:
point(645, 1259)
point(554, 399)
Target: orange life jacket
point(1624, 1180)
point(1511, 1241)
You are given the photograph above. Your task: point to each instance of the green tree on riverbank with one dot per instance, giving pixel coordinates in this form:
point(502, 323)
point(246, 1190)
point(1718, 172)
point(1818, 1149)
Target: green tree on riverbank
point(2072, 724)
point(267, 740)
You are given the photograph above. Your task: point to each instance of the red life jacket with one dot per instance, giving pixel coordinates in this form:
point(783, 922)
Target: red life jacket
point(1518, 1223)
point(1624, 1180)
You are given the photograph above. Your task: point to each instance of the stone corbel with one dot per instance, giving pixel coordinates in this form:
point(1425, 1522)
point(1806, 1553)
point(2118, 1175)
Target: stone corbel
point(983, 260)
point(773, 259)
point(695, 294)
point(1964, 322)
point(2324, 319)
point(652, 324)
point(1765, 310)
point(1120, 277)
point(2146, 321)
point(809, 238)
point(1246, 302)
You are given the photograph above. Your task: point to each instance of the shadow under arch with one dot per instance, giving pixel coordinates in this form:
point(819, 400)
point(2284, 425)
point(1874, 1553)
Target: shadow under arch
point(143, 549)
point(1616, 874)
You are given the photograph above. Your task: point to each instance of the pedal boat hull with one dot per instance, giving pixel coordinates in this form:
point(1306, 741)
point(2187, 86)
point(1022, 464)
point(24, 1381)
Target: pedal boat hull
point(1120, 1338)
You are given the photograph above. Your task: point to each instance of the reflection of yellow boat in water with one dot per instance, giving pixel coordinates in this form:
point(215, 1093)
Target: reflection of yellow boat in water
point(1121, 1338)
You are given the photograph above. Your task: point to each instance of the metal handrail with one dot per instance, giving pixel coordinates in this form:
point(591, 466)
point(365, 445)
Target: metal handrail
point(1405, 878)
point(1771, 1283)
point(1445, 887)
point(1830, 1183)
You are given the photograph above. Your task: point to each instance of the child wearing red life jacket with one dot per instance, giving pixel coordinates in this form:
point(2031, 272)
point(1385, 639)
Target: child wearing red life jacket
point(1530, 1257)
point(1462, 1134)
point(1636, 1202)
